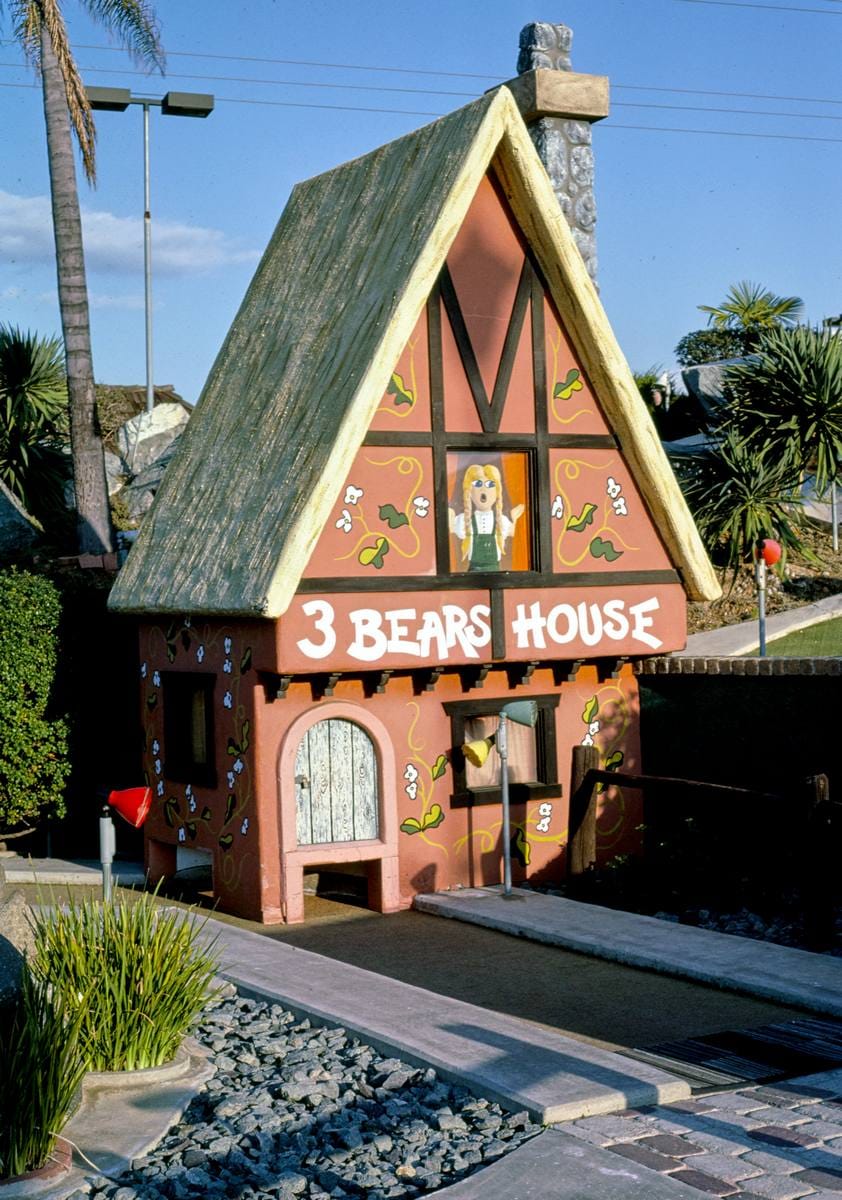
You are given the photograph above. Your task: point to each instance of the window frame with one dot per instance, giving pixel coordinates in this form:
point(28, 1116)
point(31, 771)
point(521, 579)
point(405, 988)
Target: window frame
point(546, 752)
point(178, 689)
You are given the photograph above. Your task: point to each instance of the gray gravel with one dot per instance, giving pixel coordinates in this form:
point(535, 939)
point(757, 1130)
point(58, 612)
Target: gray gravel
point(301, 1111)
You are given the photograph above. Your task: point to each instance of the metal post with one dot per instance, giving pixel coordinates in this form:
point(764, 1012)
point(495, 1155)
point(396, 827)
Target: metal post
point(834, 517)
point(760, 576)
point(106, 851)
point(147, 262)
point(503, 751)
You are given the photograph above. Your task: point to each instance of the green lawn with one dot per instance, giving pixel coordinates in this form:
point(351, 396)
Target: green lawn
point(816, 641)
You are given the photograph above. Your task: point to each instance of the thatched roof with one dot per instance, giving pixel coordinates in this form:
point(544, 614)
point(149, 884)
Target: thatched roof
point(301, 372)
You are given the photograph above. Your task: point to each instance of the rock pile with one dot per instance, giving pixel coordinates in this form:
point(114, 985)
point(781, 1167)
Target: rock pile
point(300, 1111)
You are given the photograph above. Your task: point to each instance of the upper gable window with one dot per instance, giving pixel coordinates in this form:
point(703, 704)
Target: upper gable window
point(189, 753)
point(489, 513)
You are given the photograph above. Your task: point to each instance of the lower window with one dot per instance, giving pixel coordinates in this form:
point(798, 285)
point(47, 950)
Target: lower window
point(188, 728)
point(532, 756)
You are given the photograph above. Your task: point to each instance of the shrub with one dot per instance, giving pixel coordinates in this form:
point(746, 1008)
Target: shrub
point(40, 1071)
point(134, 973)
point(33, 743)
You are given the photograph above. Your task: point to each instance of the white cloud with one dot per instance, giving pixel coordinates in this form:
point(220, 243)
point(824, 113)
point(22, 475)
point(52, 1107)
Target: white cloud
point(115, 243)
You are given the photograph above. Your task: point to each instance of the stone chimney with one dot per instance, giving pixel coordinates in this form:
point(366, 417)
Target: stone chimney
point(559, 107)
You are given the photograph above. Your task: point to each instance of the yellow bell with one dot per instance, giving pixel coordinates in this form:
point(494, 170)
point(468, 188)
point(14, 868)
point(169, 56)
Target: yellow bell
point(477, 752)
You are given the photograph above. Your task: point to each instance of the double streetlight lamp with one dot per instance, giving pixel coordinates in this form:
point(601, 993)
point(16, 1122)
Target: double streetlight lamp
point(173, 104)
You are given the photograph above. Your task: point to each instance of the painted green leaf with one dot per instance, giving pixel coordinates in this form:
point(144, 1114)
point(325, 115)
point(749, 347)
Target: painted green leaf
point(604, 549)
point(439, 766)
point(234, 748)
point(191, 829)
point(572, 383)
point(171, 651)
point(245, 662)
point(172, 630)
point(585, 518)
point(411, 825)
point(185, 639)
point(172, 810)
point(372, 556)
point(590, 710)
point(244, 737)
point(205, 814)
point(151, 700)
point(392, 516)
point(521, 849)
point(398, 389)
point(226, 841)
point(433, 818)
point(614, 761)
point(230, 805)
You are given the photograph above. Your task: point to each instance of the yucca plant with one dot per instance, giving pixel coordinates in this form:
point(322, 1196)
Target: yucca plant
point(738, 496)
point(40, 1071)
point(135, 974)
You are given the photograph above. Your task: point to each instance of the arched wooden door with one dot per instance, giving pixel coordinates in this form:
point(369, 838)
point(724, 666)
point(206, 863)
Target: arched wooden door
point(336, 784)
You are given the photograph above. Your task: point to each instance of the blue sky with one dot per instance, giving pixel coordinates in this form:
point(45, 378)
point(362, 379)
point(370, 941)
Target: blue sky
point(681, 214)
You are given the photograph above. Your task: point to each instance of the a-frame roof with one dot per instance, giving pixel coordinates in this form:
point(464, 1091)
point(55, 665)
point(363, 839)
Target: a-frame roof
point(307, 359)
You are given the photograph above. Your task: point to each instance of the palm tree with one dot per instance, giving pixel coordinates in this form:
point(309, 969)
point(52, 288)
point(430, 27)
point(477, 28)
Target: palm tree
point(749, 308)
point(40, 29)
point(33, 404)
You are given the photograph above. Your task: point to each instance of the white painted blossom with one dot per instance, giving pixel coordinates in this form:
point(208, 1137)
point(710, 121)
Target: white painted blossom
point(344, 522)
point(244, 828)
point(156, 678)
point(160, 787)
point(238, 766)
point(227, 644)
point(543, 825)
point(231, 780)
point(587, 740)
point(143, 670)
point(227, 700)
point(192, 804)
point(411, 790)
point(421, 505)
point(557, 510)
point(619, 507)
point(156, 746)
point(187, 622)
point(411, 772)
point(226, 666)
point(182, 834)
point(188, 791)
point(612, 487)
point(593, 727)
point(157, 766)
point(200, 654)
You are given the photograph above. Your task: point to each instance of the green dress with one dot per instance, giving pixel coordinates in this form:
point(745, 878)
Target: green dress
point(484, 552)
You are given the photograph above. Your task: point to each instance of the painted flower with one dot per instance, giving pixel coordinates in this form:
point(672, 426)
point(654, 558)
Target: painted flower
point(545, 810)
point(421, 505)
point(587, 740)
point(227, 644)
point(226, 666)
point(352, 494)
point(411, 773)
point(160, 787)
point(619, 507)
point(613, 488)
point(200, 654)
point(187, 621)
point(238, 766)
point(411, 790)
point(593, 728)
point(227, 700)
point(188, 791)
point(156, 746)
point(543, 825)
point(244, 828)
point(231, 780)
point(156, 678)
point(192, 804)
point(182, 834)
point(344, 522)
point(143, 670)
point(157, 766)
point(557, 509)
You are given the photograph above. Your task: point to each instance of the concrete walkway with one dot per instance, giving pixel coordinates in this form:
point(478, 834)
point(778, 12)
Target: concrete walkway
point(47, 872)
point(794, 977)
point(743, 638)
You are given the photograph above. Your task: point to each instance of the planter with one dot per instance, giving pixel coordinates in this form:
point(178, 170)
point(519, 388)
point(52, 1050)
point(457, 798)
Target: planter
point(176, 1068)
point(57, 1166)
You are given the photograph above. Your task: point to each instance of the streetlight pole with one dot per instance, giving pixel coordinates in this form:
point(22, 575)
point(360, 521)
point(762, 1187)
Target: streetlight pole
point(173, 104)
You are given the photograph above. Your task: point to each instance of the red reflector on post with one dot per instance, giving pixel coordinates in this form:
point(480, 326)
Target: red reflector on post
point(132, 804)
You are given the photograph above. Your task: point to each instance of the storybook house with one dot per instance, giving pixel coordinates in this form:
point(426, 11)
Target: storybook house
point(420, 482)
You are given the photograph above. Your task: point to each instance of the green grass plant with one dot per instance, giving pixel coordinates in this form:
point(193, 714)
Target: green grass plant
point(40, 1071)
point(823, 640)
point(135, 973)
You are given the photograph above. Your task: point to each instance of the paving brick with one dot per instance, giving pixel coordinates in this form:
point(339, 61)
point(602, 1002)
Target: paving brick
point(786, 1096)
point(645, 1158)
point(739, 1102)
point(818, 1111)
point(718, 1144)
point(668, 1143)
point(672, 1125)
point(725, 1166)
point(780, 1135)
point(693, 1105)
point(831, 1181)
point(778, 1187)
point(705, 1183)
point(785, 1162)
point(615, 1127)
point(821, 1129)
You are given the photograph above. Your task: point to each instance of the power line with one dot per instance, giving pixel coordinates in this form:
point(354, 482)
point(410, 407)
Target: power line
point(785, 137)
point(827, 12)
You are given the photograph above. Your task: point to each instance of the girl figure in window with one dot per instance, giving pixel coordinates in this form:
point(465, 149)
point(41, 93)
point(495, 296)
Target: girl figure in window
point(482, 526)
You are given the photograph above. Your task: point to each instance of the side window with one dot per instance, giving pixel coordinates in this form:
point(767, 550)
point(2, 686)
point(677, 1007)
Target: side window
point(189, 753)
point(532, 756)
